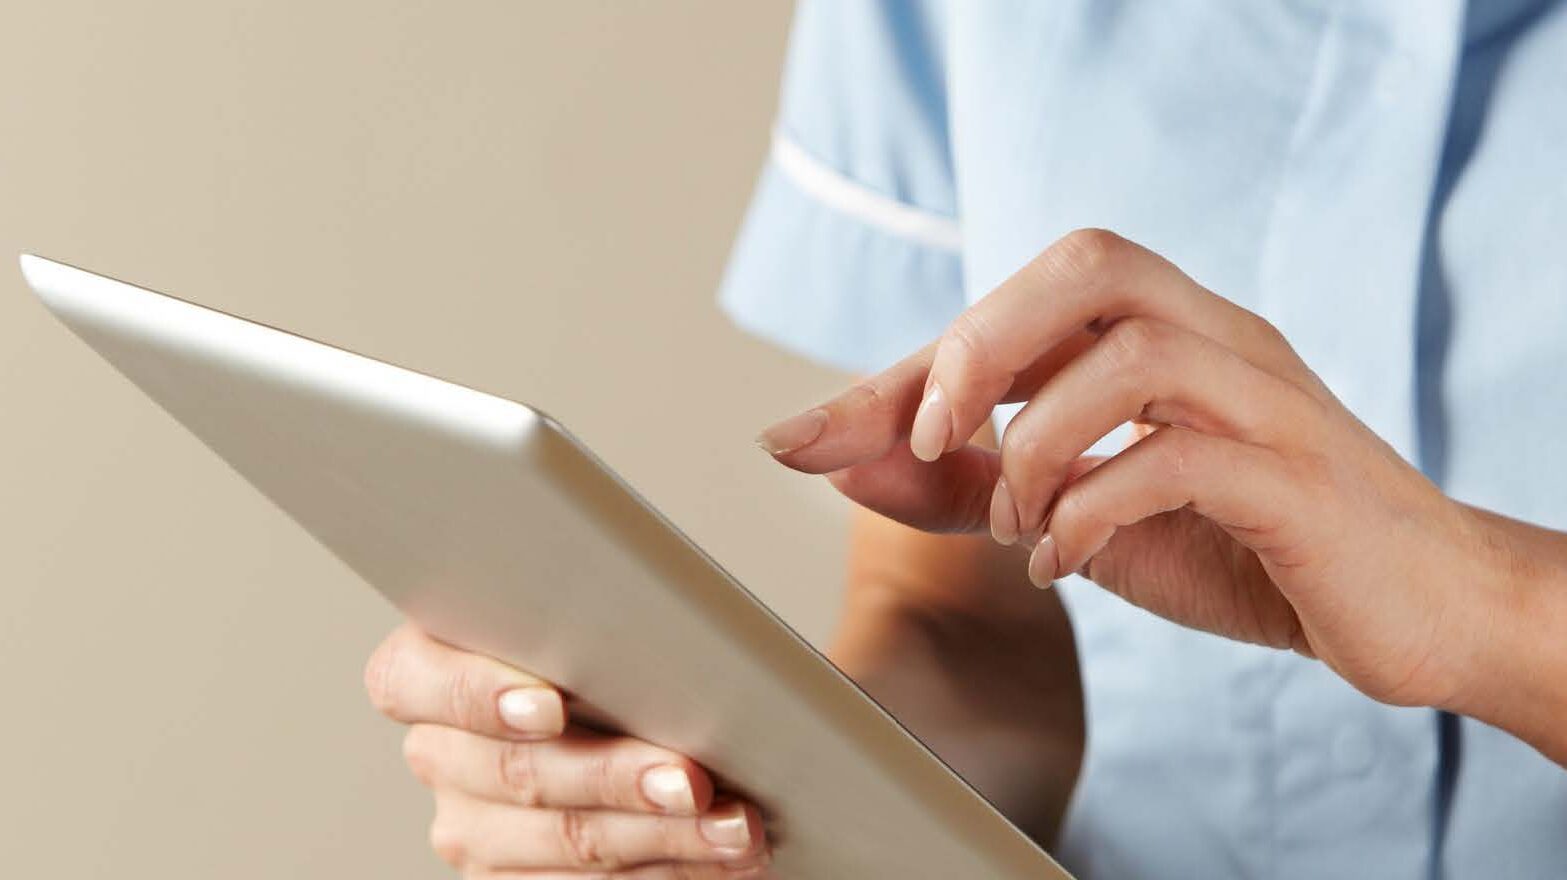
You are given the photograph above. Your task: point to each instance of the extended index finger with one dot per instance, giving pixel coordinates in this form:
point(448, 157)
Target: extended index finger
point(1088, 279)
point(857, 426)
point(863, 424)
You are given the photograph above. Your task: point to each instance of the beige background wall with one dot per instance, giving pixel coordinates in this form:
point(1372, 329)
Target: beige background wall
point(534, 198)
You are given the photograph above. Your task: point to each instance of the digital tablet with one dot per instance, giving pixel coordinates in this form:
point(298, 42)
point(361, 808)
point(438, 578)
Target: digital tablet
point(494, 529)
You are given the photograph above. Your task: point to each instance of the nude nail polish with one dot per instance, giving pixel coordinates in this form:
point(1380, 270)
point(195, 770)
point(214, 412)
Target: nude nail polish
point(1003, 514)
point(534, 711)
point(728, 829)
point(1043, 563)
point(669, 788)
point(932, 429)
point(793, 433)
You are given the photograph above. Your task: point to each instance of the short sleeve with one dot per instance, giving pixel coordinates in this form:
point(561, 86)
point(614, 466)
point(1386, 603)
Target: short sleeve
point(850, 252)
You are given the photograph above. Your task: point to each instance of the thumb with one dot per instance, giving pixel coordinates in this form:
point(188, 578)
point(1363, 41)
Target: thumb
point(950, 494)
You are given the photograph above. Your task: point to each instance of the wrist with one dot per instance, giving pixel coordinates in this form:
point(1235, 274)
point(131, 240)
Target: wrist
point(1514, 670)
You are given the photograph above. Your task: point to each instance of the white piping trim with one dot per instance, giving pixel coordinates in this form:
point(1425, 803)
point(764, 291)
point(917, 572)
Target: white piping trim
point(864, 204)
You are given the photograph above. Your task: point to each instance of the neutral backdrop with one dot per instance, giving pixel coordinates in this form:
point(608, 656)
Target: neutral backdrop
point(533, 198)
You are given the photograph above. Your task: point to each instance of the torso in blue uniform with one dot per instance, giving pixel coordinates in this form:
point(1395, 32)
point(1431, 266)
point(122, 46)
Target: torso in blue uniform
point(1385, 181)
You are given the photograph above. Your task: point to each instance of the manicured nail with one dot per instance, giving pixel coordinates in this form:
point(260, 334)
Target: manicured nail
point(534, 711)
point(932, 429)
point(669, 788)
point(793, 433)
point(727, 829)
point(1042, 564)
point(1003, 514)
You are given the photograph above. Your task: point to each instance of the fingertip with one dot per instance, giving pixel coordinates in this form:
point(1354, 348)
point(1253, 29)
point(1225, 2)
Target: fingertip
point(734, 829)
point(670, 789)
point(535, 711)
point(1044, 562)
point(1004, 526)
point(752, 866)
point(793, 433)
point(755, 868)
point(805, 460)
point(931, 434)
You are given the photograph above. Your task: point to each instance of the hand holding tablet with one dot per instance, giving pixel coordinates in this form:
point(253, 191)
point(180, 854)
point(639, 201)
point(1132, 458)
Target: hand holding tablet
point(518, 787)
point(498, 532)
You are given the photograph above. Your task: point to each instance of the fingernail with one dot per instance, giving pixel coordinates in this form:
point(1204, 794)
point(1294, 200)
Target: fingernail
point(751, 865)
point(728, 830)
point(1042, 564)
point(533, 710)
point(793, 433)
point(669, 788)
point(1003, 514)
point(932, 428)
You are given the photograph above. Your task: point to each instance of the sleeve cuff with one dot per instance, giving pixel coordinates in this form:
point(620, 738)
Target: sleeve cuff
point(829, 270)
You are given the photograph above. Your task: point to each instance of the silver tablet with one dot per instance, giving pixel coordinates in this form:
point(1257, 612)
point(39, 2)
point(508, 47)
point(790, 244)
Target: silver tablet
point(494, 529)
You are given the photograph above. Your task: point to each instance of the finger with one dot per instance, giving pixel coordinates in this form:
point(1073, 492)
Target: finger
point(948, 495)
point(1141, 368)
point(952, 495)
point(857, 426)
point(668, 871)
point(1087, 279)
point(867, 422)
point(414, 679)
point(579, 769)
point(1243, 488)
point(473, 832)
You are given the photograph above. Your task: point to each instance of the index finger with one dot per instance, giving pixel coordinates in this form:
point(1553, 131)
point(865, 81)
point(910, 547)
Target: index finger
point(860, 425)
point(865, 423)
point(1088, 279)
point(415, 679)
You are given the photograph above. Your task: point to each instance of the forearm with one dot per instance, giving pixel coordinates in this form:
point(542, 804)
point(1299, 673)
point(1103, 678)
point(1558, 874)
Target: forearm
point(1520, 635)
point(947, 633)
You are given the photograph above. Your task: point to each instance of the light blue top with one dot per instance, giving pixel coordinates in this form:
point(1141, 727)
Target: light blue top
point(1385, 181)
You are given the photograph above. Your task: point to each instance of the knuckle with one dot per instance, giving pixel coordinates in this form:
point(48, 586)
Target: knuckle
point(599, 777)
point(1267, 331)
point(1072, 508)
point(869, 397)
point(449, 842)
point(669, 842)
point(419, 753)
point(968, 338)
point(381, 675)
point(581, 838)
point(465, 698)
point(1177, 449)
point(971, 500)
point(1019, 447)
point(1134, 344)
point(520, 775)
point(1088, 252)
